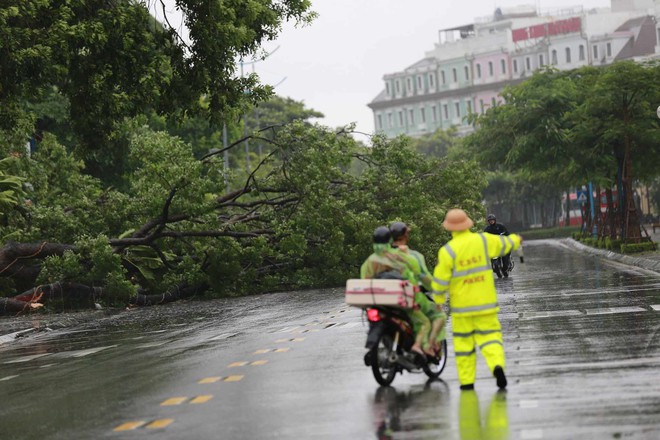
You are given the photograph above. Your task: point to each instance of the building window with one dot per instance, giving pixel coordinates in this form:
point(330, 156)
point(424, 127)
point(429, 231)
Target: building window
point(387, 88)
point(490, 68)
point(457, 109)
point(397, 87)
point(409, 84)
point(493, 102)
point(432, 80)
point(419, 83)
point(554, 57)
point(581, 53)
point(595, 52)
point(541, 60)
point(380, 122)
point(422, 115)
point(467, 73)
point(609, 49)
point(469, 106)
point(568, 54)
point(515, 66)
point(434, 109)
point(444, 80)
point(503, 66)
point(389, 120)
point(412, 116)
point(454, 74)
point(445, 111)
point(481, 105)
point(478, 70)
point(528, 63)
point(400, 118)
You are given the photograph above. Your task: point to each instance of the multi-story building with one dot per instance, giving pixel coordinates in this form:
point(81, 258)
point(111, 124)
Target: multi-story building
point(470, 65)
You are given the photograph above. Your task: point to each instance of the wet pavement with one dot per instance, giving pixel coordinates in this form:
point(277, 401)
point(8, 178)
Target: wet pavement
point(581, 334)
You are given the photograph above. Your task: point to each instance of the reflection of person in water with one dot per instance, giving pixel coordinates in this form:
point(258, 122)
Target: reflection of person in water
point(496, 423)
point(389, 407)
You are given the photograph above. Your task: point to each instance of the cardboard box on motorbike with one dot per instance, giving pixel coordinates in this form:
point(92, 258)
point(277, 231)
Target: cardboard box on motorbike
point(376, 292)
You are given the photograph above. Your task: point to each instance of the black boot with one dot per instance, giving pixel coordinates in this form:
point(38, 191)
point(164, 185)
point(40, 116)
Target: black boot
point(498, 372)
point(469, 386)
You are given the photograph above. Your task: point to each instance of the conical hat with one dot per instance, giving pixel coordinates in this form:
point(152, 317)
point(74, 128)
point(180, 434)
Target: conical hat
point(457, 220)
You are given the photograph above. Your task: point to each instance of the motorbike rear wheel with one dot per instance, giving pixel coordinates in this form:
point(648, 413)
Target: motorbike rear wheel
point(435, 367)
point(383, 370)
point(496, 267)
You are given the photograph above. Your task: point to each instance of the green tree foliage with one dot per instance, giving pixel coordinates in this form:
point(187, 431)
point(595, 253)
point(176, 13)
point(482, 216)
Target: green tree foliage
point(302, 219)
point(111, 60)
point(437, 144)
point(566, 128)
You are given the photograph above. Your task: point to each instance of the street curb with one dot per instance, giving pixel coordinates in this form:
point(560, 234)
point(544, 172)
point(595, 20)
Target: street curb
point(645, 263)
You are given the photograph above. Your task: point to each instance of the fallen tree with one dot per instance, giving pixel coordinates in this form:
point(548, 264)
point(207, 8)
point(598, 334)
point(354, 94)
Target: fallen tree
point(301, 218)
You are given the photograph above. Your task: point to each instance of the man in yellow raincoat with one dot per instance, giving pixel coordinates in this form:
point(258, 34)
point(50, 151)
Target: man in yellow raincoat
point(464, 271)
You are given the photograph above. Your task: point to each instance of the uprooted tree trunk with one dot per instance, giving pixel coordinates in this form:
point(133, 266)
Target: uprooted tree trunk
point(86, 296)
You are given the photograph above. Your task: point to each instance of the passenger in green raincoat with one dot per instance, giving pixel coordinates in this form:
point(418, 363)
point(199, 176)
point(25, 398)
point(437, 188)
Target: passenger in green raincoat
point(434, 311)
point(401, 265)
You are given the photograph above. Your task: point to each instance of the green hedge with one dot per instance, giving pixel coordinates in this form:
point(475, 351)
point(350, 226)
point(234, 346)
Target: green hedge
point(638, 247)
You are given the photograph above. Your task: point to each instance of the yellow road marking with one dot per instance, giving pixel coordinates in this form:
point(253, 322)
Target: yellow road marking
point(234, 378)
point(237, 364)
point(297, 339)
point(174, 401)
point(262, 351)
point(282, 350)
point(262, 362)
point(129, 426)
point(160, 423)
point(202, 399)
point(282, 340)
point(210, 379)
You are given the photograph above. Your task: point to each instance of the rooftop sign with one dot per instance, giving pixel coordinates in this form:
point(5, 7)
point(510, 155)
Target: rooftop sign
point(546, 29)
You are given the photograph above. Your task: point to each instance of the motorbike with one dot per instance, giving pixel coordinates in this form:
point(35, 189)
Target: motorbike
point(498, 266)
point(389, 340)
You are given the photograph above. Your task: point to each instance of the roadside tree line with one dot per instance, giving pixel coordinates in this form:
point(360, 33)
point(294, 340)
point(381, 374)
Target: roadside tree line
point(563, 129)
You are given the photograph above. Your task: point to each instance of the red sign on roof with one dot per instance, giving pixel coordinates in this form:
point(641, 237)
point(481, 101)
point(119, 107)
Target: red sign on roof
point(553, 28)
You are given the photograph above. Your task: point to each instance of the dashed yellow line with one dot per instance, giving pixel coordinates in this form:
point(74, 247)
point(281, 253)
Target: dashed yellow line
point(128, 426)
point(159, 424)
point(234, 378)
point(282, 350)
point(174, 401)
point(297, 339)
point(201, 399)
point(237, 364)
point(213, 379)
point(261, 362)
point(263, 350)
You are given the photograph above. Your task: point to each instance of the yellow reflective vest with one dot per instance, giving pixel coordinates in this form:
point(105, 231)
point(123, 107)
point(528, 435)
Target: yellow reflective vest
point(464, 271)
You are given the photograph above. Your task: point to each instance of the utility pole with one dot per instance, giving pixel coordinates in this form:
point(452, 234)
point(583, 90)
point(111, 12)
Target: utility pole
point(225, 154)
point(256, 113)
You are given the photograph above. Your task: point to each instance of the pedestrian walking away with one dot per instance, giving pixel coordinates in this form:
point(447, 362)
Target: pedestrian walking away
point(463, 270)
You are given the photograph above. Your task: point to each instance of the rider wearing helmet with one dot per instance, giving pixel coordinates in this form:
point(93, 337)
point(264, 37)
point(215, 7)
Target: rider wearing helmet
point(389, 262)
point(400, 236)
point(499, 229)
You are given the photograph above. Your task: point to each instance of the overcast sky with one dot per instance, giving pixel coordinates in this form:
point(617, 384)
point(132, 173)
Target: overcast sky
point(336, 64)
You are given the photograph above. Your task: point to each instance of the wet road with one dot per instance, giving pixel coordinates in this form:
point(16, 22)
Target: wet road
point(582, 339)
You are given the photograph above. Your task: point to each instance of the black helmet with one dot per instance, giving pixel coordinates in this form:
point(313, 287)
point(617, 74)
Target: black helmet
point(490, 217)
point(398, 229)
point(382, 235)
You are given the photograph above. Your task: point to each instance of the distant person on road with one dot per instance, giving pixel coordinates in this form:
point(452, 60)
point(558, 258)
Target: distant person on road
point(389, 262)
point(464, 271)
point(499, 229)
point(434, 311)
